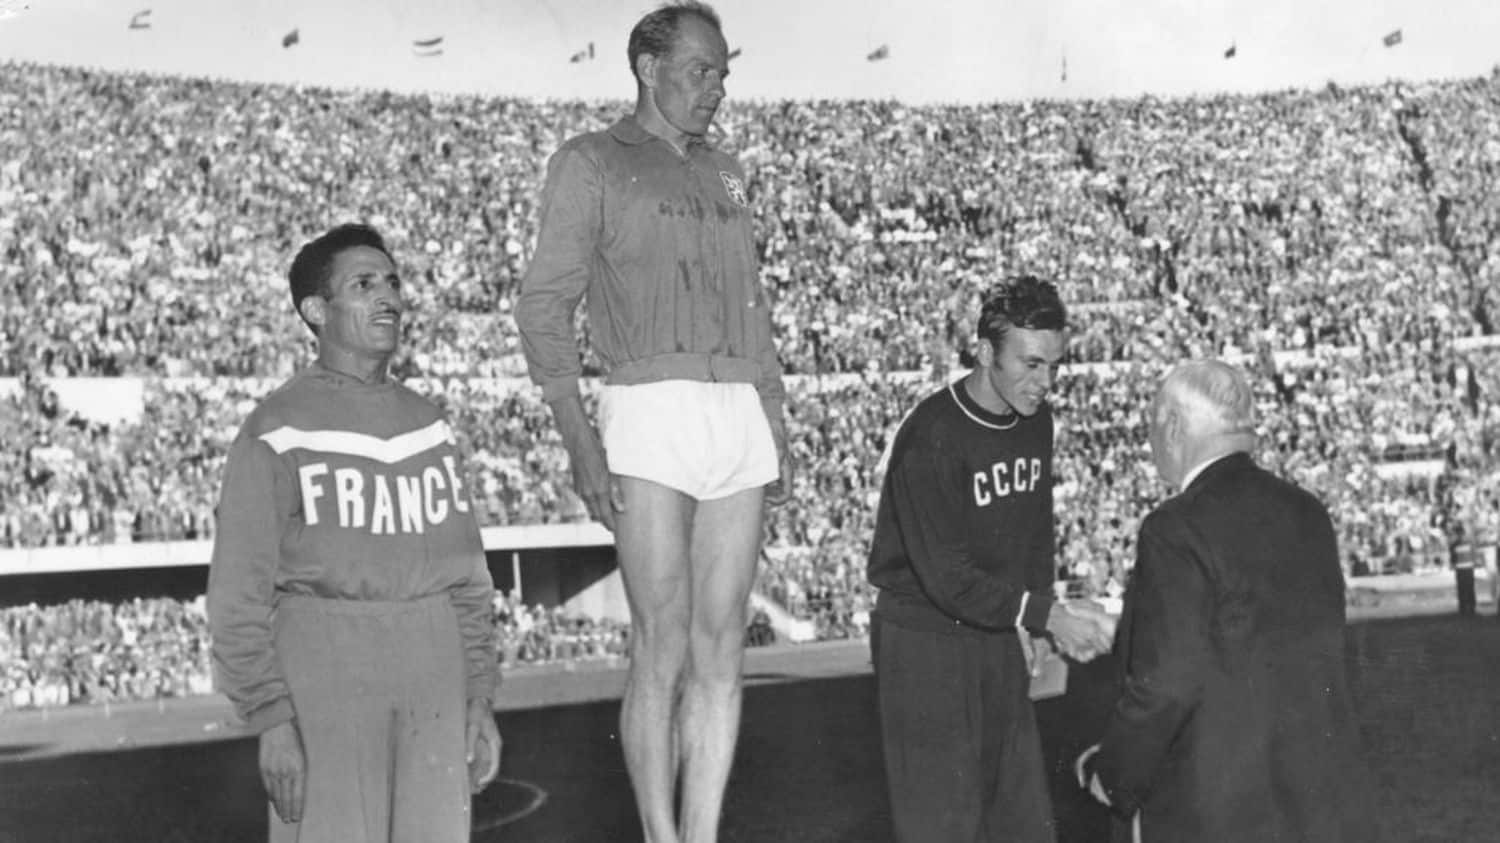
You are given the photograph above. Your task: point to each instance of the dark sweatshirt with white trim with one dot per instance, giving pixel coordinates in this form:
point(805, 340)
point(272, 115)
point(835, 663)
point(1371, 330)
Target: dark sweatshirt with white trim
point(345, 490)
point(964, 539)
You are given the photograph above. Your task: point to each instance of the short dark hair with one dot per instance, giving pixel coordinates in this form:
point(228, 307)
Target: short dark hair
point(654, 33)
point(314, 261)
point(1025, 301)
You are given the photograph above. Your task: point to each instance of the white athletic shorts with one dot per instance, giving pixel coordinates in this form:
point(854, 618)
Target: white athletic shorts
point(707, 440)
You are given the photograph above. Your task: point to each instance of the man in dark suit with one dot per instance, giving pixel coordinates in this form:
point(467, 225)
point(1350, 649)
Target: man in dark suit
point(1235, 720)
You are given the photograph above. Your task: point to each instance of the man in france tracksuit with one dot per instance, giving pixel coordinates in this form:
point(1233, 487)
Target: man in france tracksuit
point(348, 596)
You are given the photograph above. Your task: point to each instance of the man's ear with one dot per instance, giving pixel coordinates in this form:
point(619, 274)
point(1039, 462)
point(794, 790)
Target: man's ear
point(645, 70)
point(984, 353)
point(314, 310)
point(1173, 425)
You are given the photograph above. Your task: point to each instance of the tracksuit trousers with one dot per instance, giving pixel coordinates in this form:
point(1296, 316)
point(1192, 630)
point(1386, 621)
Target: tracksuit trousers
point(963, 757)
point(379, 692)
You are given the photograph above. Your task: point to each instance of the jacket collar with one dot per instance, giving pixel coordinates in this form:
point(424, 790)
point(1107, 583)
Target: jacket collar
point(1217, 466)
point(629, 131)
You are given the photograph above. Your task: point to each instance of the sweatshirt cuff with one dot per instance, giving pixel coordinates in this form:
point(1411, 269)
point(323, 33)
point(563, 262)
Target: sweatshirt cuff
point(481, 687)
point(273, 713)
point(1035, 607)
point(775, 413)
point(563, 387)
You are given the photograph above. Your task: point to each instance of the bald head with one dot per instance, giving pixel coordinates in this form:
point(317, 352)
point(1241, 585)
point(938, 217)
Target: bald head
point(1203, 410)
point(1213, 397)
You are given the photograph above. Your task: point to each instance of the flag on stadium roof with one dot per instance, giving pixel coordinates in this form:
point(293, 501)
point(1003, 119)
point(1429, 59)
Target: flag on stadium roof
point(1392, 38)
point(1232, 51)
point(1065, 67)
point(428, 47)
point(735, 53)
point(879, 53)
point(579, 56)
point(141, 19)
point(290, 38)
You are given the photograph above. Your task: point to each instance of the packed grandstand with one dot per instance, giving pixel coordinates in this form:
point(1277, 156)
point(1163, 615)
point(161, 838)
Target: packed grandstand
point(1343, 244)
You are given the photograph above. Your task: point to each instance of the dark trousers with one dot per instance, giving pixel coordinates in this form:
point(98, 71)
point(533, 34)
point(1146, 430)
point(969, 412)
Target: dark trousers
point(1465, 576)
point(963, 758)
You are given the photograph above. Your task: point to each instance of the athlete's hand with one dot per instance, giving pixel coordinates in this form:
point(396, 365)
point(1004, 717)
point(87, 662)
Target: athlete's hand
point(483, 744)
point(600, 493)
point(779, 491)
point(1081, 629)
point(283, 769)
point(1108, 623)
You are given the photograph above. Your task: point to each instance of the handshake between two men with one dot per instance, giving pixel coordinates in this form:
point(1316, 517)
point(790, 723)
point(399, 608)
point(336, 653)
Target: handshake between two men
point(1080, 629)
point(1224, 728)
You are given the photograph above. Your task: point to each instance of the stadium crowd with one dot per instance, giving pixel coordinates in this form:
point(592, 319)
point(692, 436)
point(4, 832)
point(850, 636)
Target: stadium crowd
point(89, 651)
point(142, 649)
point(147, 219)
point(1340, 243)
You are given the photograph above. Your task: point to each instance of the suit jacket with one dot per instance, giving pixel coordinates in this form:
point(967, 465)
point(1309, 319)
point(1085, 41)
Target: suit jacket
point(1235, 720)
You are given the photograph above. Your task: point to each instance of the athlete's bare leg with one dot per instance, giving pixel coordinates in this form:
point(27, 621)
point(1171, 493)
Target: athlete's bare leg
point(725, 546)
point(652, 542)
